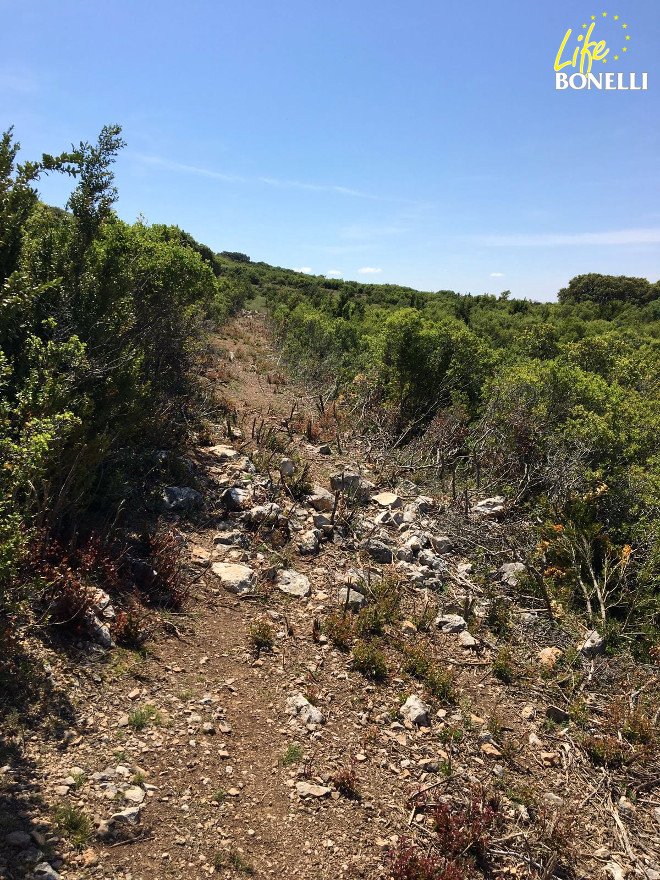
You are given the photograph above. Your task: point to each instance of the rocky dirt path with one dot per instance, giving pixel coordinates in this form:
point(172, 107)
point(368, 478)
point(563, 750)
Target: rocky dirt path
point(212, 757)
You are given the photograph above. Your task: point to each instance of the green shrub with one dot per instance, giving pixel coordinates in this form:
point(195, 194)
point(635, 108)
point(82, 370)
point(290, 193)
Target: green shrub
point(441, 684)
point(387, 595)
point(370, 621)
point(498, 616)
point(75, 824)
point(338, 627)
point(503, 666)
point(606, 751)
point(293, 755)
point(144, 717)
point(261, 636)
point(100, 328)
point(370, 661)
point(417, 660)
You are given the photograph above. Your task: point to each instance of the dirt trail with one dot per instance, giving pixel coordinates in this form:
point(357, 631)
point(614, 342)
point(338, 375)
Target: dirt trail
point(222, 802)
point(211, 672)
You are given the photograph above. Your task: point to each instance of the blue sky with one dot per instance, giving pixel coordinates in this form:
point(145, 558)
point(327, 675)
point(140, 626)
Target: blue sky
point(423, 141)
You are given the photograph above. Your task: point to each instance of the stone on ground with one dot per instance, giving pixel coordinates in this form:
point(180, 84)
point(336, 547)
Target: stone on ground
point(593, 644)
point(355, 599)
point(450, 623)
point(287, 467)
point(441, 544)
point(234, 578)
point(297, 705)
point(134, 794)
point(308, 543)
point(489, 506)
point(466, 640)
point(379, 551)
point(352, 484)
point(224, 453)
point(387, 499)
point(416, 711)
point(44, 871)
point(232, 538)
point(97, 630)
point(557, 714)
point(321, 499)
point(180, 498)
point(548, 656)
point(310, 789)
point(510, 572)
point(18, 838)
point(236, 498)
point(262, 512)
point(293, 583)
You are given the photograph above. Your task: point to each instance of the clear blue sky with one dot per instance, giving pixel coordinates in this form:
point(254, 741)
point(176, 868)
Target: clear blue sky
point(424, 140)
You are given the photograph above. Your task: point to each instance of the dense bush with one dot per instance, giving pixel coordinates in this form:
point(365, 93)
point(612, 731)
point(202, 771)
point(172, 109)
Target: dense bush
point(607, 288)
point(100, 326)
point(555, 405)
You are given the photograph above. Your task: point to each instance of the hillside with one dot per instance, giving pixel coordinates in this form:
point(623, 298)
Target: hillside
point(306, 576)
point(284, 725)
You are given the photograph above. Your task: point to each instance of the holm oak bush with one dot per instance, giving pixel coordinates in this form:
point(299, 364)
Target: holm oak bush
point(101, 324)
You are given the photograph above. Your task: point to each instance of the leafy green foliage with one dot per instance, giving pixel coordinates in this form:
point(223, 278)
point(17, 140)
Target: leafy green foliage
point(606, 288)
point(370, 661)
point(261, 636)
point(144, 716)
point(339, 628)
point(75, 824)
point(100, 331)
point(293, 755)
point(556, 405)
point(503, 666)
point(441, 684)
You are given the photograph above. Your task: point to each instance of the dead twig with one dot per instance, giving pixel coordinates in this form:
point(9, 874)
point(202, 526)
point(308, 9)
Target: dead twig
point(142, 838)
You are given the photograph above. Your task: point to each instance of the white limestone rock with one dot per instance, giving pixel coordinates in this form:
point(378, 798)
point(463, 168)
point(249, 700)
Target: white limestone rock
point(238, 579)
point(416, 711)
point(293, 583)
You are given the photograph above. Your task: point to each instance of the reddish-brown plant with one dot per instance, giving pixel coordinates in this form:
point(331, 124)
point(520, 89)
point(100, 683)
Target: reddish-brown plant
point(167, 587)
point(408, 862)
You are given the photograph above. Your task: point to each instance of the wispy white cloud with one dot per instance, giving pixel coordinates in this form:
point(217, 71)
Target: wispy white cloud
point(183, 168)
point(315, 187)
point(334, 272)
point(617, 237)
point(306, 270)
point(369, 270)
point(497, 274)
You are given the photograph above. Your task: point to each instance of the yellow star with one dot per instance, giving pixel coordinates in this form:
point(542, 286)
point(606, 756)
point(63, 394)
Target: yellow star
point(604, 14)
point(624, 25)
point(625, 49)
point(616, 57)
point(584, 25)
point(593, 18)
point(627, 36)
point(615, 17)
